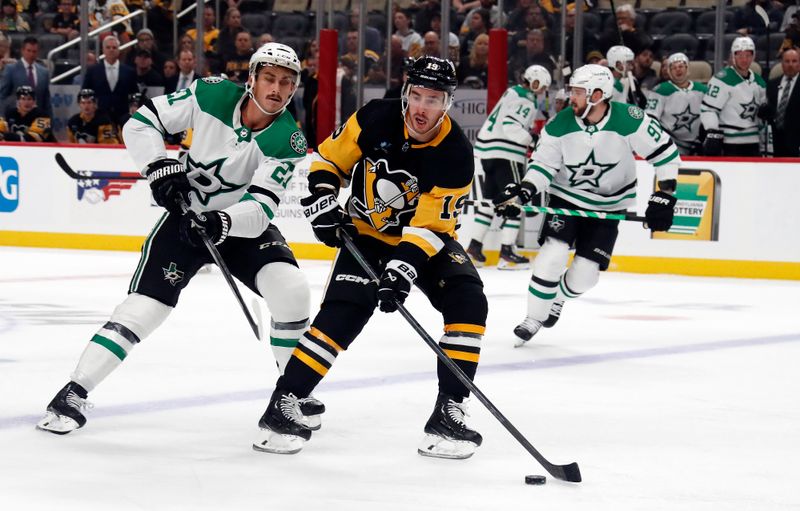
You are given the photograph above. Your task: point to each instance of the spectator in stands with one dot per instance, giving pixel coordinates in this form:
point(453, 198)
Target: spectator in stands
point(747, 21)
point(351, 53)
point(783, 99)
point(516, 18)
point(111, 80)
point(66, 21)
point(495, 18)
point(473, 71)
point(186, 74)
point(24, 122)
point(626, 23)
point(5, 53)
point(90, 126)
point(428, 9)
point(373, 40)
point(26, 71)
point(643, 69)
point(146, 75)
point(790, 16)
point(308, 77)
point(231, 26)
point(159, 20)
point(663, 74)
point(462, 7)
point(145, 40)
point(186, 43)
point(10, 19)
point(590, 40)
point(264, 39)
point(412, 41)
point(596, 57)
point(453, 45)
point(91, 59)
point(102, 12)
point(210, 32)
point(431, 44)
point(479, 24)
point(170, 69)
point(377, 75)
point(533, 53)
point(237, 65)
point(535, 19)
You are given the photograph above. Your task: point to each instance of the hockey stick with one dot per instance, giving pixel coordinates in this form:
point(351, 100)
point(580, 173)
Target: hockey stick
point(569, 472)
point(631, 217)
point(91, 174)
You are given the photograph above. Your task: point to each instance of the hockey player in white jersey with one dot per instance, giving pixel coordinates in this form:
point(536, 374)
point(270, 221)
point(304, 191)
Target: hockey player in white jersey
point(245, 147)
point(502, 146)
point(585, 160)
point(732, 103)
point(626, 86)
point(676, 104)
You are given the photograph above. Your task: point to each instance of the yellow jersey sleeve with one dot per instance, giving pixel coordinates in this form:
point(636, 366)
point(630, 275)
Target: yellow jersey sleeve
point(337, 155)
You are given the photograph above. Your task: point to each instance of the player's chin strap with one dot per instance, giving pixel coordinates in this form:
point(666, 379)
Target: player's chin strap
point(589, 106)
point(404, 102)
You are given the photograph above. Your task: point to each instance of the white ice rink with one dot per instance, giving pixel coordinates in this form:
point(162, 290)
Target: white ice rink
point(671, 393)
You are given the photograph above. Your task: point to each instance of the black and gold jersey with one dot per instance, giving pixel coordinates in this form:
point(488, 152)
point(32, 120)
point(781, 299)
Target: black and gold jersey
point(401, 190)
point(98, 130)
point(31, 127)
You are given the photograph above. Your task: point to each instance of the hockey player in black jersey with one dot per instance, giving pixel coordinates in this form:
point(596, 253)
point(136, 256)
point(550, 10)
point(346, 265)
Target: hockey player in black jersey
point(25, 122)
point(411, 168)
point(91, 126)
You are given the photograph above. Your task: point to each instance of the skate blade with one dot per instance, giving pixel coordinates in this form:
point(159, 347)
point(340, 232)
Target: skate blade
point(60, 425)
point(312, 422)
point(434, 446)
point(276, 443)
point(505, 265)
point(520, 342)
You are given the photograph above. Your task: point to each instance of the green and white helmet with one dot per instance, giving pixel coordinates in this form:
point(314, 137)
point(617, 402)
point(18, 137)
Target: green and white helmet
point(743, 44)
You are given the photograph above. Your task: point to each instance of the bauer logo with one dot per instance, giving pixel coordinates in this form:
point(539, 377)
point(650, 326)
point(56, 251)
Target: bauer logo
point(9, 184)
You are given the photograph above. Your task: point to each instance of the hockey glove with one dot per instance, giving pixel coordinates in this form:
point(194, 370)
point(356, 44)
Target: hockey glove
point(713, 144)
point(505, 204)
point(766, 112)
point(327, 216)
point(395, 284)
point(214, 224)
point(660, 211)
point(169, 183)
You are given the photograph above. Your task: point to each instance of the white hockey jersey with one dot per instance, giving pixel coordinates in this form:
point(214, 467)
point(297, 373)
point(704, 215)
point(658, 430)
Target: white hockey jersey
point(731, 105)
point(230, 167)
point(678, 111)
point(593, 166)
point(506, 133)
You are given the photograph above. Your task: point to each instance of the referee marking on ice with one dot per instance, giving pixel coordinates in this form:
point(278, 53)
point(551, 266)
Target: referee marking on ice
point(362, 383)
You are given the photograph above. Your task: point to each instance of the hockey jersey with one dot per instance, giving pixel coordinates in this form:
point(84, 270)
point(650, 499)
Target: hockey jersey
point(97, 130)
point(624, 93)
point(593, 166)
point(678, 110)
point(31, 127)
point(402, 192)
point(230, 167)
point(506, 133)
point(731, 105)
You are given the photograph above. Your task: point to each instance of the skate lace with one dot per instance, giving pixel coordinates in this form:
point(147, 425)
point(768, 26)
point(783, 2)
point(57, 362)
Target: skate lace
point(531, 324)
point(77, 402)
point(290, 408)
point(457, 411)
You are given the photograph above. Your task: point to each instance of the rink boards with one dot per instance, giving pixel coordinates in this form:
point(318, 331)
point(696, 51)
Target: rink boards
point(737, 217)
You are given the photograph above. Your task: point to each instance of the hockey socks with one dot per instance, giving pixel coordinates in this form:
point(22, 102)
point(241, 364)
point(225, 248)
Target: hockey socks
point(106, 350)
point(462, 343)
point(283, 339)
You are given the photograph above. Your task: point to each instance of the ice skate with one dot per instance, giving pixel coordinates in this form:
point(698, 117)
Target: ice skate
point(446, 433)
point(312, 409)
point(282, 428)
point(510, 260)
point(555, 313)
point(475, 253)
point(525, 330)
point(64, 411)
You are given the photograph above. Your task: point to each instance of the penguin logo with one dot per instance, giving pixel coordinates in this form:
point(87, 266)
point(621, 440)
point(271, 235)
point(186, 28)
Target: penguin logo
point(386, 194)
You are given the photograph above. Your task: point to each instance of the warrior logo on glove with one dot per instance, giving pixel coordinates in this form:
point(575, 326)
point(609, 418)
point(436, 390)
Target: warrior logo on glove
point(385, 195)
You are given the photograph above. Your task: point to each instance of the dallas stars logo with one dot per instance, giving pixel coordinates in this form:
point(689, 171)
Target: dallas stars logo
point(590, 171)
point(749, 110)
point(172, 274)
point(685, 119)
point(207, 179)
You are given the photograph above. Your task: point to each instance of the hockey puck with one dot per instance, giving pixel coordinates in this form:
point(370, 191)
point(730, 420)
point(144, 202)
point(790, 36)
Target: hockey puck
point(537, 480)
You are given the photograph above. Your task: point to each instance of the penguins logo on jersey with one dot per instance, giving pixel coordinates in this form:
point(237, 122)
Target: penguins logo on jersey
point(385, 195)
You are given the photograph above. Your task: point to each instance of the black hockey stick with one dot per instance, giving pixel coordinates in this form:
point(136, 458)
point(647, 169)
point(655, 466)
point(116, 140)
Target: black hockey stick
point(569, 472)
point(92, 174)
point(632, 217)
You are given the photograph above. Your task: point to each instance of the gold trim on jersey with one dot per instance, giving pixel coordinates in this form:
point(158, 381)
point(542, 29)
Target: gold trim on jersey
point(340, 152)
point(424, 239)
point(324, 338)
point(465, 327)
point(438, 209)
point(463, 355)
point(310, 362)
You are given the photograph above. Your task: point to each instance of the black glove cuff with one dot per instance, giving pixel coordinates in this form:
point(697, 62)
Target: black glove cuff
point(224, 227)
point(163, 168)
point(714, 135)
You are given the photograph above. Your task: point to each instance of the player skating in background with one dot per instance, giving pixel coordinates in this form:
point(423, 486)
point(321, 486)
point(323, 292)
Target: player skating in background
point(584, 160)
point(245, 148)
point(502, 145)
point(410, 168)
point(676, 104)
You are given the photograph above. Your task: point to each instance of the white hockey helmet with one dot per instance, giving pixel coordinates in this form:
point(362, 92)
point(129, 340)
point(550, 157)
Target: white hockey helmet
point(743, 44)
point(276, 54)
point(561, 95)
point(674, 59)
point(592, 77)
point(619, 55)
point(537, 73)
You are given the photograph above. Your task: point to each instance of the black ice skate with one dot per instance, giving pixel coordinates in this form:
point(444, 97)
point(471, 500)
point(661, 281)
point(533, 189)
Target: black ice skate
point(475, 252)
point(555, 313)
point(510, 260)
point(525, 330)
point(312, 408)
point(446, 433)
point(282, 428)
point(64, 411)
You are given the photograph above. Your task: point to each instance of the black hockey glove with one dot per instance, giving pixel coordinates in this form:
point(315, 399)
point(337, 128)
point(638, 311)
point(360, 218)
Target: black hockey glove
point(660, 211)
point(505, 204)
point(713, 144)
point(766, 112)
point(327, 216)
point(169, 183)
point(215, 225)
point(395, 284)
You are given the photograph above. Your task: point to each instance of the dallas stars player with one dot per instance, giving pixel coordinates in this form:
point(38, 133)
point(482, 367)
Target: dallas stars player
point(626, 86)
point(585, 159)
point(731, 105)
point(411, 169)
point(676, 104)
point(246, 147)
point(502, 145)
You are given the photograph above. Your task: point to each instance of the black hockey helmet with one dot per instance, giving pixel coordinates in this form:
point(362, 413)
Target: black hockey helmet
point(433, 73)
point(87, 94)
point(25, 91)
point(137, 98)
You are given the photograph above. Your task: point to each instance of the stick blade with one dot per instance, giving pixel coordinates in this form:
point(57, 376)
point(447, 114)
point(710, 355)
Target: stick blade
point(569, 473)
